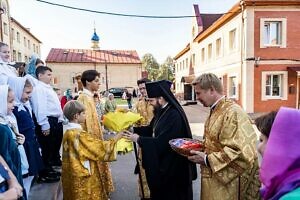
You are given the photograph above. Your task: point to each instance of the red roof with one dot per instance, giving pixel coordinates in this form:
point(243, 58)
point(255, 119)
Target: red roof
point(93, 56)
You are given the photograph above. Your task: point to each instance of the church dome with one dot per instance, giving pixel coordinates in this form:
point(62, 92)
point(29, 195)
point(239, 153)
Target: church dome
point(95, 37)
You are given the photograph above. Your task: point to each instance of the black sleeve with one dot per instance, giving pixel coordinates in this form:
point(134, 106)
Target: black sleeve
point(145, 131)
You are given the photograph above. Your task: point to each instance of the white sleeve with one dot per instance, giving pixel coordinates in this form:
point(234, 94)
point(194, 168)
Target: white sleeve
point(3, 79)
point(39, 106)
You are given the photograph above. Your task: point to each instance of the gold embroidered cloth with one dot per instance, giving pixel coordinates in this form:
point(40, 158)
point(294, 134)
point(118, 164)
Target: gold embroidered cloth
point(230, 143)
point(145, 109)
point(93, 127)
point(81, 178)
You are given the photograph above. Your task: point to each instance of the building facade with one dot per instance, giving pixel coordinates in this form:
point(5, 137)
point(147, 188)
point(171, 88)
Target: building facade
point(118, 68)
point(255, 50)
point(22, 42)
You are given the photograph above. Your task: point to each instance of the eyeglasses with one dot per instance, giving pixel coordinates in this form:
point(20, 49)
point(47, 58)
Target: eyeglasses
point(142, 88)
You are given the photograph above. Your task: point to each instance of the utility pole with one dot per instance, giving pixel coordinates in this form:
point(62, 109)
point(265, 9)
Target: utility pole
point(106, 81)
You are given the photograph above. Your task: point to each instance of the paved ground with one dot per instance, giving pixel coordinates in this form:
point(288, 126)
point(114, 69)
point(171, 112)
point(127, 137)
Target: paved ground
point(122, 170)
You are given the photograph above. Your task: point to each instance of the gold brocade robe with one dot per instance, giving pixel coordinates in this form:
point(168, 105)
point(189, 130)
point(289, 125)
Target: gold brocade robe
point(81, 178)
point(230, 143)
point(92, 126)
point(145, 109)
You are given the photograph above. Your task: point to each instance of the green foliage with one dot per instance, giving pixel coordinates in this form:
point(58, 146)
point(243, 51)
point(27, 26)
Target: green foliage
point(150, 64)
point(157, 71)
point(167, 69)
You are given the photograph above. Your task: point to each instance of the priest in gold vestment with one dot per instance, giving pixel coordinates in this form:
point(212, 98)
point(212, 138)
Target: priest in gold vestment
point(81, 178)
point(145, 109)
point(90, 81)
point(229, 164)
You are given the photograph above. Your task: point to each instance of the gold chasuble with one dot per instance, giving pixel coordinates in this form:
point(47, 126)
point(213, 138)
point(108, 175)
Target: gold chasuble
point(81, 178)
point(145, 109)
point(93, 127)
point(230, 143)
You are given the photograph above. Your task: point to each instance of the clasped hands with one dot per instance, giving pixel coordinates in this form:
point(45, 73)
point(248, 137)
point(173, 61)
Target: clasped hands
point(20, 138)
point(46, 132)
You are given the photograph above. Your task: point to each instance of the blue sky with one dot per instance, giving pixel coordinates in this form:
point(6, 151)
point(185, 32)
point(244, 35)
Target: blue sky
point(59, 27)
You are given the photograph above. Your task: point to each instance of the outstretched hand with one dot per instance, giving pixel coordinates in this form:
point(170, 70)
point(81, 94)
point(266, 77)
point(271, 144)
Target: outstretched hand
point(130, 136)
point(197, 157)
point(118, 136)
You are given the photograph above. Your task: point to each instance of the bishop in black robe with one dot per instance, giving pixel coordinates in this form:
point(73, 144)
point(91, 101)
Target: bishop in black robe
point(169, 175)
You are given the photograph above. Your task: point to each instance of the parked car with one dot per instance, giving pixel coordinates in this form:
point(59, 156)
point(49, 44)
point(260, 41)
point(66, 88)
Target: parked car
point(117, 92)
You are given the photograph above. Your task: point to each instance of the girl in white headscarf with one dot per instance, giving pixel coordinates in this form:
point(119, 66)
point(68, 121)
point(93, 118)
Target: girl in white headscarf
point(22, 88)
point(9, 140)
point(5, 69)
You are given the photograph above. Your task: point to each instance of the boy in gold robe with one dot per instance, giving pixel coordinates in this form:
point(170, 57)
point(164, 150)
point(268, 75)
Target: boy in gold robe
point(81, 178)
point(91, 82)
point(145, 109)
point(229, 164)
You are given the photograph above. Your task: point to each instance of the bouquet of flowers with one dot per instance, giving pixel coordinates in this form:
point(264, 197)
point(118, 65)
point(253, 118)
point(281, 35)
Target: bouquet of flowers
point(119, 121)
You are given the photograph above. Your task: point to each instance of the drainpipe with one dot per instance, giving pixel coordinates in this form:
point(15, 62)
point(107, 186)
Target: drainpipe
point(242, 51)
point(1, 33)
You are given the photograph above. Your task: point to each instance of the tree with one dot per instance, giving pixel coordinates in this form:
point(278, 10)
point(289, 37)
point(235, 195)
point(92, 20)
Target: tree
point(150, 64)
point(166, 70)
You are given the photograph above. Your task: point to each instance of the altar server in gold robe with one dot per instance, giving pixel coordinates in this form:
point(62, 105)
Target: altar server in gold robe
point(81, 179)
point(229, 164)
point(145, 109)
point(91, 81)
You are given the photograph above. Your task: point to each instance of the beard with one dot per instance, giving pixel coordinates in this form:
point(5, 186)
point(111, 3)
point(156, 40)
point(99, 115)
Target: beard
point(156, 109)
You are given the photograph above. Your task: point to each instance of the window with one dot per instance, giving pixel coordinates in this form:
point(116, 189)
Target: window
point(13, 34)
point(273, 32)
point(5, 28)
point(203, 55)
point(28, 42)
point(232, 89)
point(232, 39)
point(25, 42)
point(218, 47)
point(14, 55)
point(25, 59)
point(18, 37)
point(183, 64)
point(274, 84)
point(19, 56)
point(209, 52)
point(33, 47)
point(193, 60)
point(187, 62)
point(55, 80)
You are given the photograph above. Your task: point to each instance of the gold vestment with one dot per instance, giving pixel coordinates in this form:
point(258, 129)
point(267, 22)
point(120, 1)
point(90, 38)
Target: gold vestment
point(93, 127)
point(81, 178)
point(230, 143)
point(145, 109)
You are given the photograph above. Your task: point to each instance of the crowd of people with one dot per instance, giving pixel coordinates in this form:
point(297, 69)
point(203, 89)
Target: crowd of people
point(46, 137)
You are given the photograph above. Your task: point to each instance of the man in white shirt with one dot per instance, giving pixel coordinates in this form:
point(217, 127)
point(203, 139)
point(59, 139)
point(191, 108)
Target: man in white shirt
point(49, 117)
